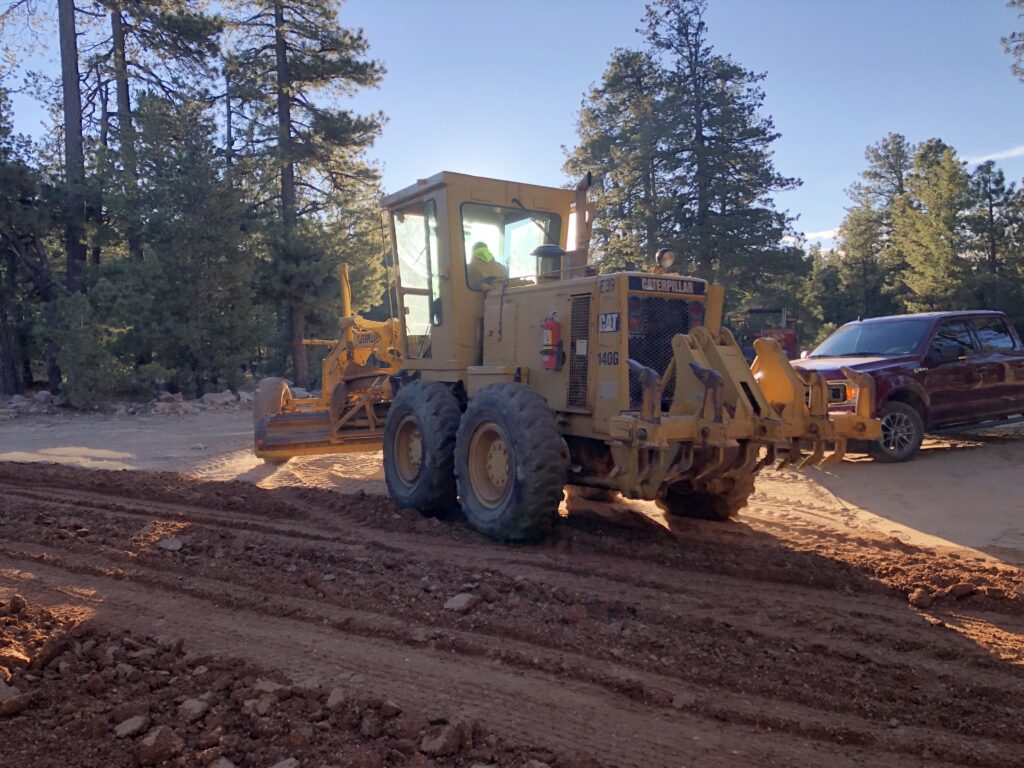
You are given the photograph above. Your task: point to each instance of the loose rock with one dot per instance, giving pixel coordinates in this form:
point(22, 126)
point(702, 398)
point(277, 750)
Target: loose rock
point(961, 590)
point(158, 745)
point(336, 700)
point(920, 598)
point(191, 710)
point(15, 704)
point(171, 544)
point(131, 727)
point(441, 741)
point(489, 593)
point(461, 603)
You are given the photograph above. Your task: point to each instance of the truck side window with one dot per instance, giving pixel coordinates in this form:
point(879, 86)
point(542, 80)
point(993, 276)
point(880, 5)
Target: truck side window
point(993, 334)
point(953, 333)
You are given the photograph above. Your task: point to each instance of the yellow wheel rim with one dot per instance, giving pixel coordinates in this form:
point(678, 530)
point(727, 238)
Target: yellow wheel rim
point(490, 467)
point(408, 449)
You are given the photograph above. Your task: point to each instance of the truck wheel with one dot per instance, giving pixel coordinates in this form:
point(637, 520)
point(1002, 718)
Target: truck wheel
point(272, 395)
point(681, 502)
point(510, 463)
point(902, 433)
point(419, 443)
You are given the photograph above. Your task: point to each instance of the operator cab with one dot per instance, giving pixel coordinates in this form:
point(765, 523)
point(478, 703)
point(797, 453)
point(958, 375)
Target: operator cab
point(457, 237)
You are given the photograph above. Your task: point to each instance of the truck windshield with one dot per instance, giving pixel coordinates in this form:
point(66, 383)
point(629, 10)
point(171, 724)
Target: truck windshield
point(885, 339)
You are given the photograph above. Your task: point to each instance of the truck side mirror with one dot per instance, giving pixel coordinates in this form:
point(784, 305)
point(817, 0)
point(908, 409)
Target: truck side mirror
point(943, 351)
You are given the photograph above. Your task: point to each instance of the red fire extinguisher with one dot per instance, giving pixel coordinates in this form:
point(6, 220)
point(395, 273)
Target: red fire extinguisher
point(551, 356)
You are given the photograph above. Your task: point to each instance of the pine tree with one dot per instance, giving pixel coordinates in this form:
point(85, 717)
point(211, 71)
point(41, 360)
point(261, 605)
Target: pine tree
point(166, 46)
point(996, 227)
point(720, 144)
point(621, 130)
point(293, 53)
point(1013, 43)
point(929, 228)
point(186, 310)
point(873, 263)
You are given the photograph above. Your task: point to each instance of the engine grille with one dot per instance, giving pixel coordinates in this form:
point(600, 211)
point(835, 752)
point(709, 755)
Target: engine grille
point(579, 359)
point(651, 344)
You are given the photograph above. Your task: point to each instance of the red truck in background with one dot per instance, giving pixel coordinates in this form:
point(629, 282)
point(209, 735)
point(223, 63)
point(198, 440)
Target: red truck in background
point(936, 371)
point(775, 323)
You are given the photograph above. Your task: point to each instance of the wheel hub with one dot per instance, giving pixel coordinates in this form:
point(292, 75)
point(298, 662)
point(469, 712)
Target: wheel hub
point(490, 467)
point(897, 432)
point(408, 449)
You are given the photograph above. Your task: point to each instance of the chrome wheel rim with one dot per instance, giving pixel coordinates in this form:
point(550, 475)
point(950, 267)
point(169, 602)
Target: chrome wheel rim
point(897, 432)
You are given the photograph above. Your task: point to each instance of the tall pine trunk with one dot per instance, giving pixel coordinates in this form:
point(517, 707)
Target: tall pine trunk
point(97, 215)
point(297, 308)
point(74, 155)
point(126, 133)
point(10, 352)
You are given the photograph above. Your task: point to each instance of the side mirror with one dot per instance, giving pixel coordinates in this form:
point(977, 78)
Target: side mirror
point(804, 354)
point(943, 351)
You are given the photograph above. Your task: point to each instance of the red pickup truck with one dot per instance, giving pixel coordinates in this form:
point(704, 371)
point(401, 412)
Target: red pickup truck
point(935, 371)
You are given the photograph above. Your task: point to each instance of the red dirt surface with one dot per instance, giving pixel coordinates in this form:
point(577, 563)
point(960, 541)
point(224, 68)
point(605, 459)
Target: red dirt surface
point(618, 641)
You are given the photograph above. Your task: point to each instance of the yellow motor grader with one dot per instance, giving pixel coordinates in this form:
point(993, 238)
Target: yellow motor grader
point(514, 370)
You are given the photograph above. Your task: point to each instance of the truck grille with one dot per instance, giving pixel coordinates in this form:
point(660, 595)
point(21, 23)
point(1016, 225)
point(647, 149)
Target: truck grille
point(579, 359)
point(651, 327)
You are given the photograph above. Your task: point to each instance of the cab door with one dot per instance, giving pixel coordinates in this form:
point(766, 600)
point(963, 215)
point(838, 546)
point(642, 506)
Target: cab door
point(950, 376)
point(1000, 364)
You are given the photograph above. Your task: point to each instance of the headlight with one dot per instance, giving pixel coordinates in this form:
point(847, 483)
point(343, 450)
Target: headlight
point(665, 257)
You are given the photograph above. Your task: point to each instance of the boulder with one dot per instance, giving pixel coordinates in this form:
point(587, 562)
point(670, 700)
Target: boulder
point(43, 397)
point(227, 397)
point(17, 401)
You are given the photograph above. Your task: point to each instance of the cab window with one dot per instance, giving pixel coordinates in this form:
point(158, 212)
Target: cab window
point(416, 246)
point(500, 242)
point(993, 335)
point(952, 337)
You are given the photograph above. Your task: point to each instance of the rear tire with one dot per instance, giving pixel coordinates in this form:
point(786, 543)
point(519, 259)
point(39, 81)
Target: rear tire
point(419, 447)
point(680, 502)
point(510, 463)
point(271, 398)
point(902, 433)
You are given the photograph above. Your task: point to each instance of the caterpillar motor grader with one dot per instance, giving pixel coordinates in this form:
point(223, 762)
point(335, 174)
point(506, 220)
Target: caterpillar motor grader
point(513, 370)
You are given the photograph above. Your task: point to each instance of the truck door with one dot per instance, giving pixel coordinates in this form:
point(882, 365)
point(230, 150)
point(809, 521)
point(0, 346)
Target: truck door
point(1000, 365)
point(950, 376)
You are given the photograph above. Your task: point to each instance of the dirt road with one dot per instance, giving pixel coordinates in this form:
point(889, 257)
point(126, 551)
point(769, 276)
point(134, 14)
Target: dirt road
point(785, 638)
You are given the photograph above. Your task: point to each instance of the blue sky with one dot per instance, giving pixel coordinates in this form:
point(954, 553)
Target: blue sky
point(492, 88)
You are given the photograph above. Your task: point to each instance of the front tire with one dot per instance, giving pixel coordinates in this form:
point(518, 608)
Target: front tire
point(271, 398)
point(681, 502)
point(510, 463)
point(902, 433)
point(419, 447)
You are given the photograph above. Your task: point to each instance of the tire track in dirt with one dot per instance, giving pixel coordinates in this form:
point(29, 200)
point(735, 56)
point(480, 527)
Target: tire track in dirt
point(822, 667)
point(689, 590)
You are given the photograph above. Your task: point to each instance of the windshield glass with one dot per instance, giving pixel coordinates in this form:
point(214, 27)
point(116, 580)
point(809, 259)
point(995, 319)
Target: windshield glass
point(500, 242)
point(887, 339)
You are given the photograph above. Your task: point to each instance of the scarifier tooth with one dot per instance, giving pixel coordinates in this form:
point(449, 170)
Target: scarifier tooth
point(816, 456)
point(836, 456)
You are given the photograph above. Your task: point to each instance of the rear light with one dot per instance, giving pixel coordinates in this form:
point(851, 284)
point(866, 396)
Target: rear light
point(635, 308)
